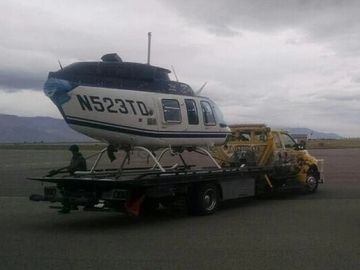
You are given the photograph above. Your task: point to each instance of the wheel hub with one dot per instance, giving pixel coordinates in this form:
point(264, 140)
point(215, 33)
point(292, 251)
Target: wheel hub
point(311, 181)
point(209, 199)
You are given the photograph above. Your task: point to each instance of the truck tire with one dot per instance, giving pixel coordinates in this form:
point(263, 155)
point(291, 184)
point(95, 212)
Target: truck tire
point(204, 199)
point(312, 182)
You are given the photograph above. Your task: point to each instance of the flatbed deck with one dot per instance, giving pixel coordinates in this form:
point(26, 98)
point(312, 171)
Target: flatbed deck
point(134, 189)
point(148, 177)
point(203, 188)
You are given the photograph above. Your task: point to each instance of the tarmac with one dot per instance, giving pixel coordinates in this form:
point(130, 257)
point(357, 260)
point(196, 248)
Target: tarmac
point(317, 231)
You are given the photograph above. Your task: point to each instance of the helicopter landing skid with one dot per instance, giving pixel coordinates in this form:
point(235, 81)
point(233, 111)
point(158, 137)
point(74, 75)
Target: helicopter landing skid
point(152, 156)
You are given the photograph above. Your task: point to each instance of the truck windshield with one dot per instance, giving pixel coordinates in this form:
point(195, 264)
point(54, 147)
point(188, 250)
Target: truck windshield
point(287, 140)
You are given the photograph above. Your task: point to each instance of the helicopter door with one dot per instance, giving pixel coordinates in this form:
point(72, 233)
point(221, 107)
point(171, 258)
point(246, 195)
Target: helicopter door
point(192, 115)
point(209, 119)
point(172, 119)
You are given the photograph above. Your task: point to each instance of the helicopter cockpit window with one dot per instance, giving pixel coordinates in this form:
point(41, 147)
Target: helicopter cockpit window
point(192, 112)
point(208, 114)
point(171, 108)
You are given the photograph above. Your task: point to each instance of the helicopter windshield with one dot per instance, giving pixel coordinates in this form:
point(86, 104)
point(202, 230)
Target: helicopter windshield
point(219, 115)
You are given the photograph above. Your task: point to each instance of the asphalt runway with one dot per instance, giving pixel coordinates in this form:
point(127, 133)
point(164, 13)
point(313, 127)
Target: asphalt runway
point(318, 231)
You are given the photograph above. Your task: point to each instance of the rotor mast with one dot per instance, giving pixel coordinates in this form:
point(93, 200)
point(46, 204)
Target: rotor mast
point(149, 48)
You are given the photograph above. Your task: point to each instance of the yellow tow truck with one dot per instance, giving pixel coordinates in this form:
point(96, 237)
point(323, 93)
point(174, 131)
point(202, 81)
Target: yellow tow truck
point(254, 145)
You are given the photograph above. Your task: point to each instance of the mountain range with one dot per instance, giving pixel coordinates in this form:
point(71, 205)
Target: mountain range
point(312, 134)
point(19, 129)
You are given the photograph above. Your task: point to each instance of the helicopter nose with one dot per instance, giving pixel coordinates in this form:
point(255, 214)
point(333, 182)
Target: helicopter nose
point(57, 90)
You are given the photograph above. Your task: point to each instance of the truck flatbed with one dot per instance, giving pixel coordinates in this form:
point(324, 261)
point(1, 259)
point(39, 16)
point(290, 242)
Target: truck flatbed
point(148, 177)
point(124, 189)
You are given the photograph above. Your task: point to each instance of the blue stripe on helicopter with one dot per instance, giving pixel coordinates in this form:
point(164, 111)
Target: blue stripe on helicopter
point(142, 132)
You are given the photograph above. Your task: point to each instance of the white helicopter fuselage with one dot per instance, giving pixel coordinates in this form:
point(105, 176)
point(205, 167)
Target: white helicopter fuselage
point(127, 117)
point(120, 110)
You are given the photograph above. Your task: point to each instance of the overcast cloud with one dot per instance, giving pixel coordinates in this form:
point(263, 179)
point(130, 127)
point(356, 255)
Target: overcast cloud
point(285, 63)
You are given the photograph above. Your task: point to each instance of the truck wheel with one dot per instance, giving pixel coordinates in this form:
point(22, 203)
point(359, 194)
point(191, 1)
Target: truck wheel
point(312, 183)
point(204, 200)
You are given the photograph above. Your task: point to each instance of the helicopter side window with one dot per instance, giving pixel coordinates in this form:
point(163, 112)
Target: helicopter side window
point(208, 114)
point(171, 108)
point(192, 112)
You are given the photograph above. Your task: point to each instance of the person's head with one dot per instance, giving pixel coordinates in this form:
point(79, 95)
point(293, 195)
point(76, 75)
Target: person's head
point(74, 148)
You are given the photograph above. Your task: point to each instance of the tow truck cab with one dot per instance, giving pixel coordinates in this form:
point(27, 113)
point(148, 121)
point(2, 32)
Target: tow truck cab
point(259, 145)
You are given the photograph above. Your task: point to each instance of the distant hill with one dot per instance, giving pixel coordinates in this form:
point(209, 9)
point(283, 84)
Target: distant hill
point(312, 134)
point(17, 129)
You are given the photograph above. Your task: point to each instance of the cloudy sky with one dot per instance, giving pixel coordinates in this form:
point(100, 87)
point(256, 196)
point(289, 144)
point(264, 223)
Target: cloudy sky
point(286, 63)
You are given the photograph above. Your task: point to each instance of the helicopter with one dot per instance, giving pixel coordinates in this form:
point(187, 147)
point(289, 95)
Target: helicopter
point(134, 105)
